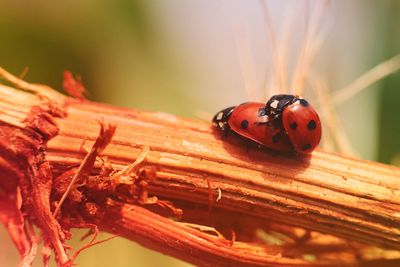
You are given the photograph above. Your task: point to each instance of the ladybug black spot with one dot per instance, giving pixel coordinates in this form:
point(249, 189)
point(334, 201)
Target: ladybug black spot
point(244, 124)
point(311, 125)
point(306, 147)
point(293, 126)
point(304, 103)
point(276, 138)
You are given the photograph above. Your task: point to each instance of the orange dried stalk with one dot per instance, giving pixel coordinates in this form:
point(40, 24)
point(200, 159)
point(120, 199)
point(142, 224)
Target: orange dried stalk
point(191, 174)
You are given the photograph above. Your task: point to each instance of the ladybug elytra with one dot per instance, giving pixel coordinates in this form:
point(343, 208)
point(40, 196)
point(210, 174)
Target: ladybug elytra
point(284, 123)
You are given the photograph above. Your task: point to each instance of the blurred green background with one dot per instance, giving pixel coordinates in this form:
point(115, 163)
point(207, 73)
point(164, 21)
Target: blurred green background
point(180, 57)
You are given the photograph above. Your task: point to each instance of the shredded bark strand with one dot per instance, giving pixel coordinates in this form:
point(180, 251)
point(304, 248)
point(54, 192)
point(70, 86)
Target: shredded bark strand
point(104, 138)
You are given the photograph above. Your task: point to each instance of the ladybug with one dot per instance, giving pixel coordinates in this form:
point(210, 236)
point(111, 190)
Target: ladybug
point(284, 123)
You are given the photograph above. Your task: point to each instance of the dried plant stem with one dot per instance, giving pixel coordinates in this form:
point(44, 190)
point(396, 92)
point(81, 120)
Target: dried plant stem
point(354, 199)
point(351, 198)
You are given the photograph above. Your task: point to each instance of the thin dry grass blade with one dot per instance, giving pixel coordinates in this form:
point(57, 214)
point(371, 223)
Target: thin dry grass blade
point(364, 81)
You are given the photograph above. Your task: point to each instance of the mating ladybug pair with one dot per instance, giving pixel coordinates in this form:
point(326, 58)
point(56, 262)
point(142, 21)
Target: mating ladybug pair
point(284, 123)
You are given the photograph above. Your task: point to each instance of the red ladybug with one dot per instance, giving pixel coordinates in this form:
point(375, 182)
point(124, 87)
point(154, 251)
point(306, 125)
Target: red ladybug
point(284, 123)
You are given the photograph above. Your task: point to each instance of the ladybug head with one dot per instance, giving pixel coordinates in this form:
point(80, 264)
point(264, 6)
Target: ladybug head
point(277, 104)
